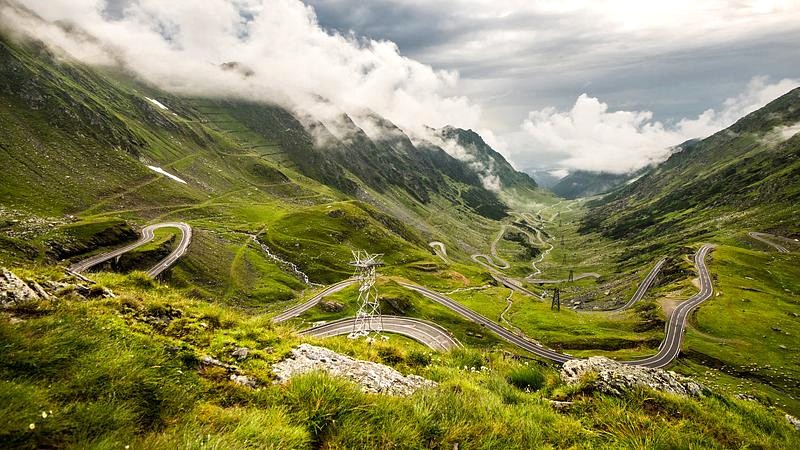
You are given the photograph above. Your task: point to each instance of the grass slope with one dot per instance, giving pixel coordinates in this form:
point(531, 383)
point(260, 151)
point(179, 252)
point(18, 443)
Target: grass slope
point(125, 371)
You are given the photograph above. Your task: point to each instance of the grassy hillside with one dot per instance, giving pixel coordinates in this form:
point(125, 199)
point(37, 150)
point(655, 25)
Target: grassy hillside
point(91, 154)
point(126, 372)
point(742, 177)
point(78, 142)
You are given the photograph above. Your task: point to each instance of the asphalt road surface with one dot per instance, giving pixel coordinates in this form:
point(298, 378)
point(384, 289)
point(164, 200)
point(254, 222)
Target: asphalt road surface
point(519, 341)
point(310, 303)
point(671, 345)
point(440, 250)
point(643, 286)
point(768, 239)
point(427, 333)
point(147, 236)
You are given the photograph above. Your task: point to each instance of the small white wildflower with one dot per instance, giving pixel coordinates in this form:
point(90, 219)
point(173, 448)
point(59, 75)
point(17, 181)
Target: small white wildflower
point(44, 415)
point(32, 426)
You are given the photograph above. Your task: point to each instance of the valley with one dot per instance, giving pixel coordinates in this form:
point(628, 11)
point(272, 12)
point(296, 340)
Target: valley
point(162, 251)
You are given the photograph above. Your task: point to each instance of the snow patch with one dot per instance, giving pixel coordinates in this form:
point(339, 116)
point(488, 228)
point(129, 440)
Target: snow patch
point(157, 103)
point(559, 173)
point(165, 173)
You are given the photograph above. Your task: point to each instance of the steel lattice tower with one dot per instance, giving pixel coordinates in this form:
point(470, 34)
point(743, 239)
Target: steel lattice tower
point(368, 318)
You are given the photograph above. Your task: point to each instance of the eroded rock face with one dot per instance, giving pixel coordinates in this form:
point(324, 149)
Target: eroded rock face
point(372, 377)
point(615, 378)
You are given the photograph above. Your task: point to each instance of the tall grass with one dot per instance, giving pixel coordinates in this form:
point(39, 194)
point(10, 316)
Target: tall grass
point(113, 377)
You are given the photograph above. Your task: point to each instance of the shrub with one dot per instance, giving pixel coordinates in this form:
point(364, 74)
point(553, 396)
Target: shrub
point(390, 355)
point(527, 378)
point(418, 358)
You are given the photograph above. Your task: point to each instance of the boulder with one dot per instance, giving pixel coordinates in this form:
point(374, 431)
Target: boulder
point(612, 377)
point(371, 377)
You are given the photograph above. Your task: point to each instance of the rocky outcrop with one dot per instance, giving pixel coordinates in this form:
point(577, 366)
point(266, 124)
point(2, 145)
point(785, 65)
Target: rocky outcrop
point(372, 377)
point(16, 292)
point(611, 377)
point(234, 374)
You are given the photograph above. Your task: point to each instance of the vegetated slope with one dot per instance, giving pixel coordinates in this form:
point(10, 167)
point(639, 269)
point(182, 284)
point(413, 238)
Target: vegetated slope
point(745, 176)
point(483, 158)
point(385, 160)
point(77, 143)
point(584, 183)
point(134, 371)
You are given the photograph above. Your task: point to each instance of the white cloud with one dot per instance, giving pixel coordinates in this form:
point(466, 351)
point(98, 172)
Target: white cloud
point(179, 46)
point(591, 137)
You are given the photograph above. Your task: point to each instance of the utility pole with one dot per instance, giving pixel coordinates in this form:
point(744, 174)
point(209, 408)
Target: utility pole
point(368, 318)
point(556, 305)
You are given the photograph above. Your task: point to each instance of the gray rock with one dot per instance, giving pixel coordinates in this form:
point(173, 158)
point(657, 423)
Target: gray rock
point(331, 306)
point(615, 378)
point(240, 353)
point(371, 377)
point(560, 406)
point(794, 421)
point(746, 397)
point(14, 291)
point(244, 380)
point(209, 361)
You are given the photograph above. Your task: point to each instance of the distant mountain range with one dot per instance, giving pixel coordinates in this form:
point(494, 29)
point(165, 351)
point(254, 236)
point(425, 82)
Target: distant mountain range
point(546, 178)
point(582, 183)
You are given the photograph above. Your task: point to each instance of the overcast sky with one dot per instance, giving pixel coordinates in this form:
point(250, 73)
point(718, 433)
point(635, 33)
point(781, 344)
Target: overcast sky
point(675, 59)
point(578, 84)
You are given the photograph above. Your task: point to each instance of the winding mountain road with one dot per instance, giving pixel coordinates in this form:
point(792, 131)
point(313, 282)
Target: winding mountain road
point(430, 334)
point(148, 233)
point(668, 351)
point(676, 324)
point(767, 239)
point(440, 250)
point(473, 316)
point(493, 262)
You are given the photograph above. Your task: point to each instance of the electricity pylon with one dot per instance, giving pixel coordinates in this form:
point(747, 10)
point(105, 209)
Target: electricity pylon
point(556, 304)
point(368, 317)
